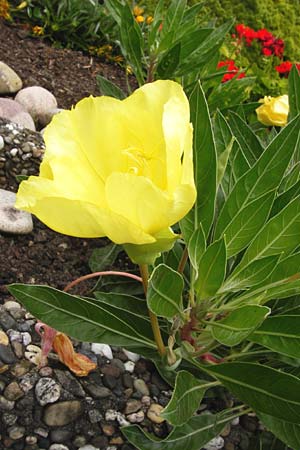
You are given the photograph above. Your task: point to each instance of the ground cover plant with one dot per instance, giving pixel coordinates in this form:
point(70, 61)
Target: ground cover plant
point(220, 308)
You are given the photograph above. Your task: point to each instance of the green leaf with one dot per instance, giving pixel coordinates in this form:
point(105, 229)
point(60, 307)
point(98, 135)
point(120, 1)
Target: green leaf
point(192, 436)
point(196, 247)
point(247, 223)
point(104, 257)
point(134, 305)
point(239, 324)
point(171, 23)
point(227, 95)
point(169, 62)
point(223, 160)
point(211, 271)
point(186, 398)
point(192, 12)
point(164, 296)
point(246, 138)
point(263, 177)
point(205, 163)
point(107, 87)
point(294, 92)
point(252, 275)
point(280, 235)
point(191, 41)
point(84, 319)
point(287, 432)
point(264, 389)
point(280, 334)
point(290, 178)
point(285, 198)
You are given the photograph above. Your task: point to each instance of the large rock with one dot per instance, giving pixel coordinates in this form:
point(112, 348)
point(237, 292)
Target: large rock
point(39, 102)
point(10, 82)
point(15, 112)
point(13, 220)
point(62, 413)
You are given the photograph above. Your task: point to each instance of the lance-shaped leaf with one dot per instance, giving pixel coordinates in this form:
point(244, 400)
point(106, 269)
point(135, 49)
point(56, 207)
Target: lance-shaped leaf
point(192, 436)
point(134, 305)
point(287, 432)
point(264, 389)
point(280, 334)
point(239, 324)
point(264, 176)
point(84, 319)
point(290, 178)
point(196, 247)
point(107, 87)
point(211, 271)
point(285, 198)
point(186, 398)
point(247, 223)
point(204, 161)
point(254, 274)
point(169, 62)
point(246, 138)
point(171, 23)
point(164, 296)
point(280, 235)
point(294, 92)
point(104, 257)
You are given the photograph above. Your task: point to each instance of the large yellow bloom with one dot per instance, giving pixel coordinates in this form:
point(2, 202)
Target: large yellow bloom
point(274, 110)
point(121, 169)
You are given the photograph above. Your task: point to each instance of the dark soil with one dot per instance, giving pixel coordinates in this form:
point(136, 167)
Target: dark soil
point(44, 256)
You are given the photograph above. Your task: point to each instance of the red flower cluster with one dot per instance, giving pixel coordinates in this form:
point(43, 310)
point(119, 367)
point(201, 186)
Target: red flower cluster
point(232, 70)
point(270, 44)
point(285, 67)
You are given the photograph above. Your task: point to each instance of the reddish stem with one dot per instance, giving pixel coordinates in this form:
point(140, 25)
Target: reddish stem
point(100, 274)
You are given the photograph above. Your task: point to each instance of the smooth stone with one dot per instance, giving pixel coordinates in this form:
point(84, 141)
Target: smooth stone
point(95, 416)
point(131, 356)
point(10, 82)
point(47, 391)
point(38, 101)
point(13, 220)
point(7, 356)
point(34, 354)
point(132, 406)
point(3, 338)
point(58, 447)
point(1, 143)
point(6, 405)
point(215, 444)
point(16, 432)
point(88, 447)
point(136, 417)
point(62, 413)
point(153, 413)
point(98, 391)
point(13, 391)
point(59, 436)
point(102, 349)
point(10, 304)
point(69, 382)
point(16, 113)
point(6, 321)
point(141, 386)
point(129, 366)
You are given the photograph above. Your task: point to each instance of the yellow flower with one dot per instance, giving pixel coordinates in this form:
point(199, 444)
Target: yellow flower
point(273, 111)
point(38, 31)
point(116, 168)
point(140, 19)
point(138, 11)
point(149, 20)
point(22, 5)
point(4, 9)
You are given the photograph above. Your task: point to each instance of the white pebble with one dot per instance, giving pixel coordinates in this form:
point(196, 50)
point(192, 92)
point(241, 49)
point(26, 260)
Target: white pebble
point(88, 447)
point(131, 356)
point(26, 337)
point(215, 444)
point(11, 305)
point(122, 421)
point(129, 366)
point(1, 143)
point(58, 447)
point(102, 349)
point(33, 353)
point(235, 421)
point(111, 414)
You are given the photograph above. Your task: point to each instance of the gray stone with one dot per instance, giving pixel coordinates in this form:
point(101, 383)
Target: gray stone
point(141, 386)
point(98, 391)
point(69, 382)
point(60, 436)
point(14, 111)
point(13, 391)
point(133, 406)
point(62, 413)
point(16, 432)
point(10, 82)
point(95, 416)
point(7, 355)
point(6, 405)
point(6, 321)
point(39, 102)
point(1, 143)
point(47, 391)
point(13, 220)
point(215, 444)
point(9, 419)
point(58, 447)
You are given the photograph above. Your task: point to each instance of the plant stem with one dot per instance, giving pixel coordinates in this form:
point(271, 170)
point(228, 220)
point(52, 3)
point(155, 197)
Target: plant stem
point(99, 274)
point(153, 319)
point(183, 260)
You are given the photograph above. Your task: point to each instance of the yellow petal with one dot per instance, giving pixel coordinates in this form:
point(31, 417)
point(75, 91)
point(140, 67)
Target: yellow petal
point(75, 217)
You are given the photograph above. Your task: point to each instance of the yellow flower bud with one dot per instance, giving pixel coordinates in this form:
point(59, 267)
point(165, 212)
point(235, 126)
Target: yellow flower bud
point(22, 5)
point(117, 168)
point(138, 11)
point(140, 19)
point(273, 111)
point(149, 20)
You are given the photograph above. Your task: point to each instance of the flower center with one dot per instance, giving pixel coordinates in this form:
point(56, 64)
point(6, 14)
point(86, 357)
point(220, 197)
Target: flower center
point(137, 161)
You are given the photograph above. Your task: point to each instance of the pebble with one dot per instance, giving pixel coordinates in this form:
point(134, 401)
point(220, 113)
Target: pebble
point(13, 220)
point(16, 113)
point(47, 391)
point(16, 432)
point(108, 429)
point(31, 440)
point(215, 444)
point(1, 143)
point(95, 416)
point(132, 406)
point(33, 353)
point(69, 382)
point(39, 102)
point(10, 304)
point(9, 419)
point(7, 356)
point(6, 405)
point(98, 391)
point(129, 366)
point(62, 413)
point(58, 447)
point(13, 391)
point(6, 321)
point(141, 386)
point(153, 413)
point(136, 417)
point(102, 349)
point(131, 356)
point(88, 447)
point(59, 436)
point(3, 338)
point(10, 82)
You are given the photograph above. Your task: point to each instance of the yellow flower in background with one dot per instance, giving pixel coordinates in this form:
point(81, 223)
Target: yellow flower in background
point(138, 11)
point(22, 5)
point(149, 20)
point(4, 9)
point(273, 111)
point(140, 19)
point(38, 31)
point(121, 169)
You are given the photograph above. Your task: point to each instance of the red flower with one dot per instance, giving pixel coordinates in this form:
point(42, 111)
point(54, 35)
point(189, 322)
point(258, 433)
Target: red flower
point(245, 32)
point(284, 68)
point(266, 51)
point(232, 70)
point(264, 35)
